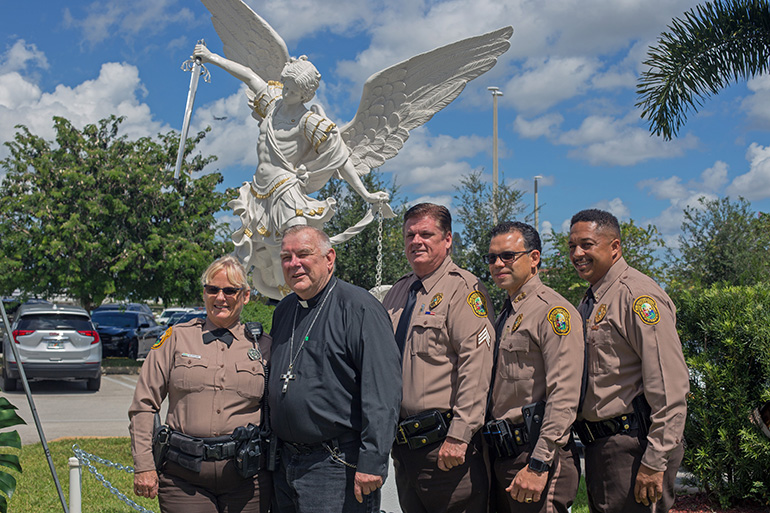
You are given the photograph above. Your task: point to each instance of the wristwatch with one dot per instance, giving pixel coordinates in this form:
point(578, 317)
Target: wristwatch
point(539, 466)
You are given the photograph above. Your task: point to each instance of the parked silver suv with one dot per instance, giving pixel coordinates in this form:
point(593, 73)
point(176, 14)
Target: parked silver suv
point(54, 342)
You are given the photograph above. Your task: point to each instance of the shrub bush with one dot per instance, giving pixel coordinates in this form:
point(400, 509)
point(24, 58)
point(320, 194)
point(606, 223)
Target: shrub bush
point(725, 333)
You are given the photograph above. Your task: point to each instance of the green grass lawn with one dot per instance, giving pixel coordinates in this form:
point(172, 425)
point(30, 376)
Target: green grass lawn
point(36, 491)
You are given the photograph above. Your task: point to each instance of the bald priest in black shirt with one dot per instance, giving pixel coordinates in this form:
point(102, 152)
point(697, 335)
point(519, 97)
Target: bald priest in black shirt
point(335, 385)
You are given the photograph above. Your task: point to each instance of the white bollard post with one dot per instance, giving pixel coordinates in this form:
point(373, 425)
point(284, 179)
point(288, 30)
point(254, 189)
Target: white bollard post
point(75, 481)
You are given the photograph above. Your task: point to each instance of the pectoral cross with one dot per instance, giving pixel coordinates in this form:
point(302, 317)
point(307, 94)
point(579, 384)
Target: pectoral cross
point(286, 377)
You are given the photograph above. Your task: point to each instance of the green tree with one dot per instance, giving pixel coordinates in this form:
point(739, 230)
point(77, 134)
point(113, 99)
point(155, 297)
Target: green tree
point(94, 214)
point(475, 214)
point(641, 249)
point(723, 242)
point(357, 258)
point(715, 44)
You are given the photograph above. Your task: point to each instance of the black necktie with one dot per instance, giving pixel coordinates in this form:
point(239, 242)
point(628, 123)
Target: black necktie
point(585, 309)
point(406, 315)
point(222, 334)
point(507, 308)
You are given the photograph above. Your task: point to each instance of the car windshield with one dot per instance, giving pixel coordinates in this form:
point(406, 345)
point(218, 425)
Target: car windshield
point(121, 320)
point(54, 322)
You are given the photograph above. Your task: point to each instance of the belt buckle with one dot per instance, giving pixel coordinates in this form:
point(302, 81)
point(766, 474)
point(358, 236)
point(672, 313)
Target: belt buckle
point(212, 452)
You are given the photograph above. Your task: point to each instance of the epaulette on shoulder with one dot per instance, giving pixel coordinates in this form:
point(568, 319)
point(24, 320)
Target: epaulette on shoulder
point(316, 128)
point(261, 104)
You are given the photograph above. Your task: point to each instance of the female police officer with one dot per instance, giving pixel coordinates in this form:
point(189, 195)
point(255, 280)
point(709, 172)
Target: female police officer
point(213, 372)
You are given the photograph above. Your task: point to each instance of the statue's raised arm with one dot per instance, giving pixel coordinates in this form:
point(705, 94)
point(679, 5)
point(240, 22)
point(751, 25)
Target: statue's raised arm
point(300, 150)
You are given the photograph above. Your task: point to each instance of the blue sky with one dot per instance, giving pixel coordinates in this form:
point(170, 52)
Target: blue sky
point(567, 112)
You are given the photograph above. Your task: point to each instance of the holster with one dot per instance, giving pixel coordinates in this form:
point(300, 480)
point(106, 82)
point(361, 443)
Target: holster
point(423, 429)
point(160, 436)
point(642, 411)
point(250, 454)
point(533, 419)
point(512, 439)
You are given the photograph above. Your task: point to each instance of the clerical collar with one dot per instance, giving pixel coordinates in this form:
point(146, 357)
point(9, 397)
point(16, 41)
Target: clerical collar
point(313, 301)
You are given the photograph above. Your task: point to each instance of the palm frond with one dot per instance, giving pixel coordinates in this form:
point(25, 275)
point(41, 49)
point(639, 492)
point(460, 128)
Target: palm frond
point(714, 45)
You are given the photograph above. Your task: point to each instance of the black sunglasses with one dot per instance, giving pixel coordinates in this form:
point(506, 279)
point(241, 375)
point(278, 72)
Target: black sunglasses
point(227, 291)
point(506, 256)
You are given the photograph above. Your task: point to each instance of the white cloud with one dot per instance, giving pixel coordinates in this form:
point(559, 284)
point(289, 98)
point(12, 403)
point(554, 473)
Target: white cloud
point(715, 177)
point(110, 18)
point(670, 188)
point(21, 55)
point(538, 127)
point(115, 91)
point(754, 185)
point(757, 105)
point(602, 140)
point(615, 207)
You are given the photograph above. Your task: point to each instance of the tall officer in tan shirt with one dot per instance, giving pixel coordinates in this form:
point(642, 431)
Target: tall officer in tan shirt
point(539, 359)
point(447, 360)
point(637, 379)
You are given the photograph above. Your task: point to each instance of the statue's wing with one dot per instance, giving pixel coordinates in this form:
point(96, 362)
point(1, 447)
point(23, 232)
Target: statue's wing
point(247, 38)
point(405, 96)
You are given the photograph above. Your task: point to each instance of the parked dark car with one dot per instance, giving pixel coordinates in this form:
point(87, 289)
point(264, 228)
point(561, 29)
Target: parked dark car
point(53, 342)
point(125, 307)
point(122, 332)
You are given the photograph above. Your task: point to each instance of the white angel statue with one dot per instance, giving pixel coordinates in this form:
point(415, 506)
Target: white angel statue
point(299, 149)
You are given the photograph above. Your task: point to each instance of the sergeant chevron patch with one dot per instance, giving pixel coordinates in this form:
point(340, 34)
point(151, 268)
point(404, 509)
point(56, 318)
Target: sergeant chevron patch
point(482, 337)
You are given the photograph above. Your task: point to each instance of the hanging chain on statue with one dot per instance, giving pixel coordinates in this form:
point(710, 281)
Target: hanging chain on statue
point(380, 217)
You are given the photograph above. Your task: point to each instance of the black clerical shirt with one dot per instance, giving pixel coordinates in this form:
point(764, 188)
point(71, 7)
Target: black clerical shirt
point(347, 374)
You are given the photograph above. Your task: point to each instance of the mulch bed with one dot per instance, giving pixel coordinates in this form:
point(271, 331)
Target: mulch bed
point(700, 503)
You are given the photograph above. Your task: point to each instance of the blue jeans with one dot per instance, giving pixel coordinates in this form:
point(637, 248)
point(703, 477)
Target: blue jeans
point(320, 480)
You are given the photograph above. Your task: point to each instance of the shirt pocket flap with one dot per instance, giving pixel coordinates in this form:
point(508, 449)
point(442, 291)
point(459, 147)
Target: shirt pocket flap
point(250, 366)
point(515, 344)
point(431, 321)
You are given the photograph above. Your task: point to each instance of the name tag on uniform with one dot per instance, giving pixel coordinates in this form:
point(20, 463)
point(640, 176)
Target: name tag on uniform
point(188, 355)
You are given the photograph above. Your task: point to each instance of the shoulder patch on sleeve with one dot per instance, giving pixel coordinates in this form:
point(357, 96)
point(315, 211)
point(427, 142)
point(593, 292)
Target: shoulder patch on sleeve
point(484, 336)
point(478, 303)
point(647, 310)
point(558, 316)
point(162, 338)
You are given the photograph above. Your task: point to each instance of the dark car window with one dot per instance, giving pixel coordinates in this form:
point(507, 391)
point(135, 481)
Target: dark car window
point(54, 322)
point(111, 318)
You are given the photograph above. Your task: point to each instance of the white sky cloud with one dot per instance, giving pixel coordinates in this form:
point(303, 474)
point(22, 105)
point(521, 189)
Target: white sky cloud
point(755, 184)
point(543, 126)
point(757, 105)
point(21, 56)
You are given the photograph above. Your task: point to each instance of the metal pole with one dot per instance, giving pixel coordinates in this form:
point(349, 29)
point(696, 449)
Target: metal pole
point(32, 408)
point(537, 208)
point(495, 93)
point(76, 500)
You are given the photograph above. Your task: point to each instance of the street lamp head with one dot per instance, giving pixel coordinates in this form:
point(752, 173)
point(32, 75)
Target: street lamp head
point(538, 177)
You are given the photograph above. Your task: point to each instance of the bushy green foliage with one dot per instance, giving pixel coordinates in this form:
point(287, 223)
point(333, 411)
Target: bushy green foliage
point(94, 214)
point(258, 310)
point(8, 418)
point(726, 339)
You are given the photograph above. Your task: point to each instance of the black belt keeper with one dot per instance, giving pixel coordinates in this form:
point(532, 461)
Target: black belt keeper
point(507, 439)
point(423, 429)
point(589, 431)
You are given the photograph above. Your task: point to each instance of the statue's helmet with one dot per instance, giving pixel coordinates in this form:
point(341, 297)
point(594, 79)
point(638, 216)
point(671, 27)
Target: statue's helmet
point(304, 74)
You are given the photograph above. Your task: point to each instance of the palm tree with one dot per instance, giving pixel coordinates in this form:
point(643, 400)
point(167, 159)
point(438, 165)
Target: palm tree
point(715, 44)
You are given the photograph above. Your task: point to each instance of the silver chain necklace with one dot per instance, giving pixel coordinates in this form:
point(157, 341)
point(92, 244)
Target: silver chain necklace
point(289, 375)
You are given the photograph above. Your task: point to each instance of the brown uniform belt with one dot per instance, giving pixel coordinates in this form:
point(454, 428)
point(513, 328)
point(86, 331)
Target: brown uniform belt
point(332, 443)
point(589, 431)
point(423, 429)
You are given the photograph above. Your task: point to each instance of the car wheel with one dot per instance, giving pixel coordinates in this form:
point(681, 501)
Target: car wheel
point(132, 350)
point(9, 384)
point(94, 384)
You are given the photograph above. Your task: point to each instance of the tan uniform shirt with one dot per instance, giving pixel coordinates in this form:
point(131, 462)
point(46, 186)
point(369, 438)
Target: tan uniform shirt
point(212, 389)
point(540, 358)
point(447, 358)
point(633, 348)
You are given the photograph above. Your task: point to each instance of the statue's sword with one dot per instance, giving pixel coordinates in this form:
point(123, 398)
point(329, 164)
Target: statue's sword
point(197, 69)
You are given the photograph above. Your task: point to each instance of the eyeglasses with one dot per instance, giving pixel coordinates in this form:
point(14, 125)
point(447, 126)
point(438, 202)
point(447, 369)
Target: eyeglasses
point(506, 256)
point(211, 290)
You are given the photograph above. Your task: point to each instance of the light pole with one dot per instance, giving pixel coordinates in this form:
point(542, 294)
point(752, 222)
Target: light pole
point(537, 209)
point(495, 93)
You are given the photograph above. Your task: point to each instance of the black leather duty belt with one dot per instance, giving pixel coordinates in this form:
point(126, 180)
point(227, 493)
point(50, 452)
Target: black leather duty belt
point(423, 429)
point(589, 431)
point(332, 443)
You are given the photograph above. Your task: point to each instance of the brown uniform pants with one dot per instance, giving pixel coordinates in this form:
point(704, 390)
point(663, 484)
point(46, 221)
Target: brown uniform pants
point(611, 467)
point(424, 488)
point(216, 489)
point(559, 492)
